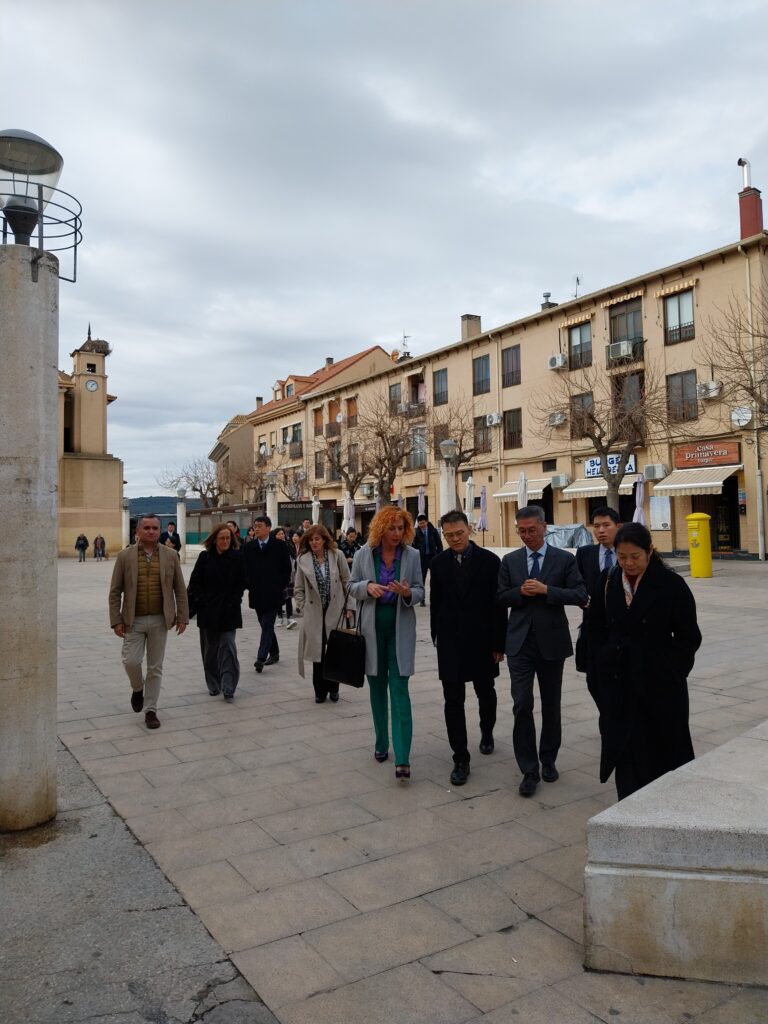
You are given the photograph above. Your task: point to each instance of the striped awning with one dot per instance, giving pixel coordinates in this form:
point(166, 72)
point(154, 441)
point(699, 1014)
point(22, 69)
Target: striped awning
point(695, 481)
point(536, 487)
point(596, 487)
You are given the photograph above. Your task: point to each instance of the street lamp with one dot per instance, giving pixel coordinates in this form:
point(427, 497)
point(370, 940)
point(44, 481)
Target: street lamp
point(29, 173)
point(449, 500)
point(270, 483)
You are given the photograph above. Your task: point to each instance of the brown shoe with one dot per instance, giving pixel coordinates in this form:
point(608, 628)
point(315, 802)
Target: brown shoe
point(151, 720)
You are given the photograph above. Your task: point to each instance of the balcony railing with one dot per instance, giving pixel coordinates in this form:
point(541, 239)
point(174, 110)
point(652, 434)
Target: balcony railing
point(352, 420)
point(683, 411)
point(483, 441)
point(416, 460)
point(510, 377)
point(683, 332)
point(318, 430)
point(296, 449)
point(580, 359)
point(332, 474)
point(332, 429)
point(416, 409)
point(513, 439)
point(481, 386)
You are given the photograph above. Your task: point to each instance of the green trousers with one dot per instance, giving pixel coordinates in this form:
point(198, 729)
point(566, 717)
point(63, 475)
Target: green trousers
point(388, 678)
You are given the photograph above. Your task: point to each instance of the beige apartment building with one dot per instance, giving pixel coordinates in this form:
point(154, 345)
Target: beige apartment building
point(90, 490)
point(686, 344)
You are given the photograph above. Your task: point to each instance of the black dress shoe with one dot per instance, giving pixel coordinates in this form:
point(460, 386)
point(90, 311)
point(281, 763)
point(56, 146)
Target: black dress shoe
point(486, 743)
point(319, 700)
point(460, 773)
point(258, 665)
point(272, 659)
point(549, 773)
point(528, 786)
point(334, 697)
point(137, 700)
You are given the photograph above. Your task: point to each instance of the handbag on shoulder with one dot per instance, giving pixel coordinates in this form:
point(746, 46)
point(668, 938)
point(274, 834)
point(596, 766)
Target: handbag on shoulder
point(344, 660)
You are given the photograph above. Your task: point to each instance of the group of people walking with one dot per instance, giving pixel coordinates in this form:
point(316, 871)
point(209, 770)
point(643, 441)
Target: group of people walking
point(637, 641)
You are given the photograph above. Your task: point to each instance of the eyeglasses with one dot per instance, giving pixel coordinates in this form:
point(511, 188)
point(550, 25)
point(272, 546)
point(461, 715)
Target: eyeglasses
point(522, 530)
point(452, 535)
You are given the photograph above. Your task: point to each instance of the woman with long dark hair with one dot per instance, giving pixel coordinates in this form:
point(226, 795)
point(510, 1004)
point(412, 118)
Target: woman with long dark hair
point(319, 590)
point(648, 641)
point(215, 595)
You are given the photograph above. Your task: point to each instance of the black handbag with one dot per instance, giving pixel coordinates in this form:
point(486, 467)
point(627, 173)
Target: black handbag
point(344, 660)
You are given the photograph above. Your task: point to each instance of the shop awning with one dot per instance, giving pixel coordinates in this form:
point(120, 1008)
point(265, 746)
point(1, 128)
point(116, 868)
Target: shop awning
point(596, 487)
point(536, 487)
point(695, 481)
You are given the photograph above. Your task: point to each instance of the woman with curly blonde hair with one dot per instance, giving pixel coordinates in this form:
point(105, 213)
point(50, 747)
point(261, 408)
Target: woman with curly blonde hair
point(386, 581)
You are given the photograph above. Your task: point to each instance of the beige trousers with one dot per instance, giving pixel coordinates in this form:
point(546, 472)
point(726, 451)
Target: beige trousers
point(148, 633)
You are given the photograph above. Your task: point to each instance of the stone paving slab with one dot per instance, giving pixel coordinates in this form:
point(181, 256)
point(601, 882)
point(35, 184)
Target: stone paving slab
point(293, 845)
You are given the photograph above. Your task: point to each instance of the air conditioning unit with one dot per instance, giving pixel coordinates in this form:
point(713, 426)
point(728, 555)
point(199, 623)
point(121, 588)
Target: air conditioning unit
point(280, 449)
point(556, 419)
point(558, 362)
point(559, 481)
point(709, 389)
point(300, 475)
point(620, 350)
point(493, 419)
point(656, 471)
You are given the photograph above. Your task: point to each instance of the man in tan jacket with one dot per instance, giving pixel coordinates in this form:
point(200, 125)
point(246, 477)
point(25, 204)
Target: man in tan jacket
point(147, 598)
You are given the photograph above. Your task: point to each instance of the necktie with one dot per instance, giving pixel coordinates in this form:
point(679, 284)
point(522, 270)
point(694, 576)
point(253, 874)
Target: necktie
point(262, 544)
point(458, 559)
point(535, 565)
point(608, 559)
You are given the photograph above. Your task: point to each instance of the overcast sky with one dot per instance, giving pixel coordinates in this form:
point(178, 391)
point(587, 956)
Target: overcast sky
point(268, 182)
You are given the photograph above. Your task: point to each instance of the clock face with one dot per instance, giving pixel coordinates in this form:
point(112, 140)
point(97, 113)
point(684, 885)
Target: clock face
point(92, 385)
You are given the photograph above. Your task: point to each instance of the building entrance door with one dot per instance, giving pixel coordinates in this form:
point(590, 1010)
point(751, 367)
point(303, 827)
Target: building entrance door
point(723, 510)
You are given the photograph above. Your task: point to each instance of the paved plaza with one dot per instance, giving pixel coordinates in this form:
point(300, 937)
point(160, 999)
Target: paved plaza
point(343, 897)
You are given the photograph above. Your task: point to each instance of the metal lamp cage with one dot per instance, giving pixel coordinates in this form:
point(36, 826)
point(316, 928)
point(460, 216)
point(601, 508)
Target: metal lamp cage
point(59, 221)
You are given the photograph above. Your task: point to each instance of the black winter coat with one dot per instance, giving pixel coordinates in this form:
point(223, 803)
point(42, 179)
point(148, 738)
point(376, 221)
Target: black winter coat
point(645, 653)
point(466, 621)
point(435, 545)
point(268, 573)
point(216, 590)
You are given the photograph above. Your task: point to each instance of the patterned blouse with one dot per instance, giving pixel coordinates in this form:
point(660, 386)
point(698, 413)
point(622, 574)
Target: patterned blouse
point(323, 577)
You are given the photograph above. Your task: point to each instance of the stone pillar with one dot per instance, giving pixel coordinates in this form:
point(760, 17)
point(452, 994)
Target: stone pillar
point(181, 522)
point(126, 522)
point(29, 341)
point(447, 488)
point(272, 505)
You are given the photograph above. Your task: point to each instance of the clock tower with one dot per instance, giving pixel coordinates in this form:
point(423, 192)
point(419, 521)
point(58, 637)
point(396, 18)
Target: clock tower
point(89, 399)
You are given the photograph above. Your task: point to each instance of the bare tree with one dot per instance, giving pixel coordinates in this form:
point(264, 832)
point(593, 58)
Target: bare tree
point(388, 437)
point(198, 476)
point(246, 477)
point(734, 353)
point(611, 411)
point(456, 420)
point(345, 456)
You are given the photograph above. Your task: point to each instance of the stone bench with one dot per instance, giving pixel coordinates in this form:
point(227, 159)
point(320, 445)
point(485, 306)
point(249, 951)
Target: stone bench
point(676, 882)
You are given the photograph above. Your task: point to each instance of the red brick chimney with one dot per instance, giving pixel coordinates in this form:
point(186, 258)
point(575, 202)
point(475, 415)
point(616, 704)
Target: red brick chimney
point(750, 205)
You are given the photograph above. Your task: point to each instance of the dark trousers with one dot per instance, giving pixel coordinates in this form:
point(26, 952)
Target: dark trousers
point(455, 719)
point(268, 646)
point(523, 666)
point(321, 685)
point(220, 662)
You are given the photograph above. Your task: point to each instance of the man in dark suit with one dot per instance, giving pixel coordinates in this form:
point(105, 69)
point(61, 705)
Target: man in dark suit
point(591, 561)
point(536, 582)
point(268, 572)
point(170, 539)
point(468, 627)
point(427, 542)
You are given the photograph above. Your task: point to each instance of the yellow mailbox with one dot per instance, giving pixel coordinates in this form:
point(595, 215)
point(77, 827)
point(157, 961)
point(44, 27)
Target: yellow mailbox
point(699, 544)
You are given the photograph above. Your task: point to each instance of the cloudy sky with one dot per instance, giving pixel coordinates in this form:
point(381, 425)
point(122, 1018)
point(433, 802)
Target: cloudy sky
point(268, 182)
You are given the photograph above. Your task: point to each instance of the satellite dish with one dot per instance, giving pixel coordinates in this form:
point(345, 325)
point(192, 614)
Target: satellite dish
point(741, 415)
point(339, 417)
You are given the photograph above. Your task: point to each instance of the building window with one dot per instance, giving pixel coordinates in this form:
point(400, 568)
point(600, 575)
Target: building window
point(334, 459)
point(440, 432)
point(395, 399)
point(513, 428)
point(678, 317)
point(317, 415)
point(352, 412)
point(440, 387)
point(90, 367)
point(353, 459)
point(682, 405)
point(483, 438)
point(580, 346)
point(289, 390)
point(581, 407)
point(481, 375)
point(627, 321)
point(510, 366)
point(629, 405)
point(319, 465)
point(549, 466)
point(417, 459)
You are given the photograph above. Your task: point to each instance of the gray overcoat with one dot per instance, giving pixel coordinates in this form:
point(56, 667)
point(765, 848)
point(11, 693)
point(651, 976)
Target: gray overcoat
point(363, 573)
point(306, 597)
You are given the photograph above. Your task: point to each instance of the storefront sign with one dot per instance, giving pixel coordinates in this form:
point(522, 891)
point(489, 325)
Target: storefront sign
point(592, 466)
point(661, 512)
point(707, 453)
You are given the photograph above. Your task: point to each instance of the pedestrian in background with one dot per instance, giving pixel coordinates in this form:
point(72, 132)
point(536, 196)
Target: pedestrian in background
point(427, 542)
point(81, 546)
point(285, 612)
point(320, 589)
point(99, 547)
point(592, 560)
point(267, 571)
point(236, 542)
point(386, 582)
point(350, 544)
point(170, 538)
point(649, 643)
point(536, 582)
point(215, 594)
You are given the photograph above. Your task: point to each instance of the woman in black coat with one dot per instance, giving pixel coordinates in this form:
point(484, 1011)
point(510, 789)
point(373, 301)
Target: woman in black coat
point(648, 640)
point(215, 594)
